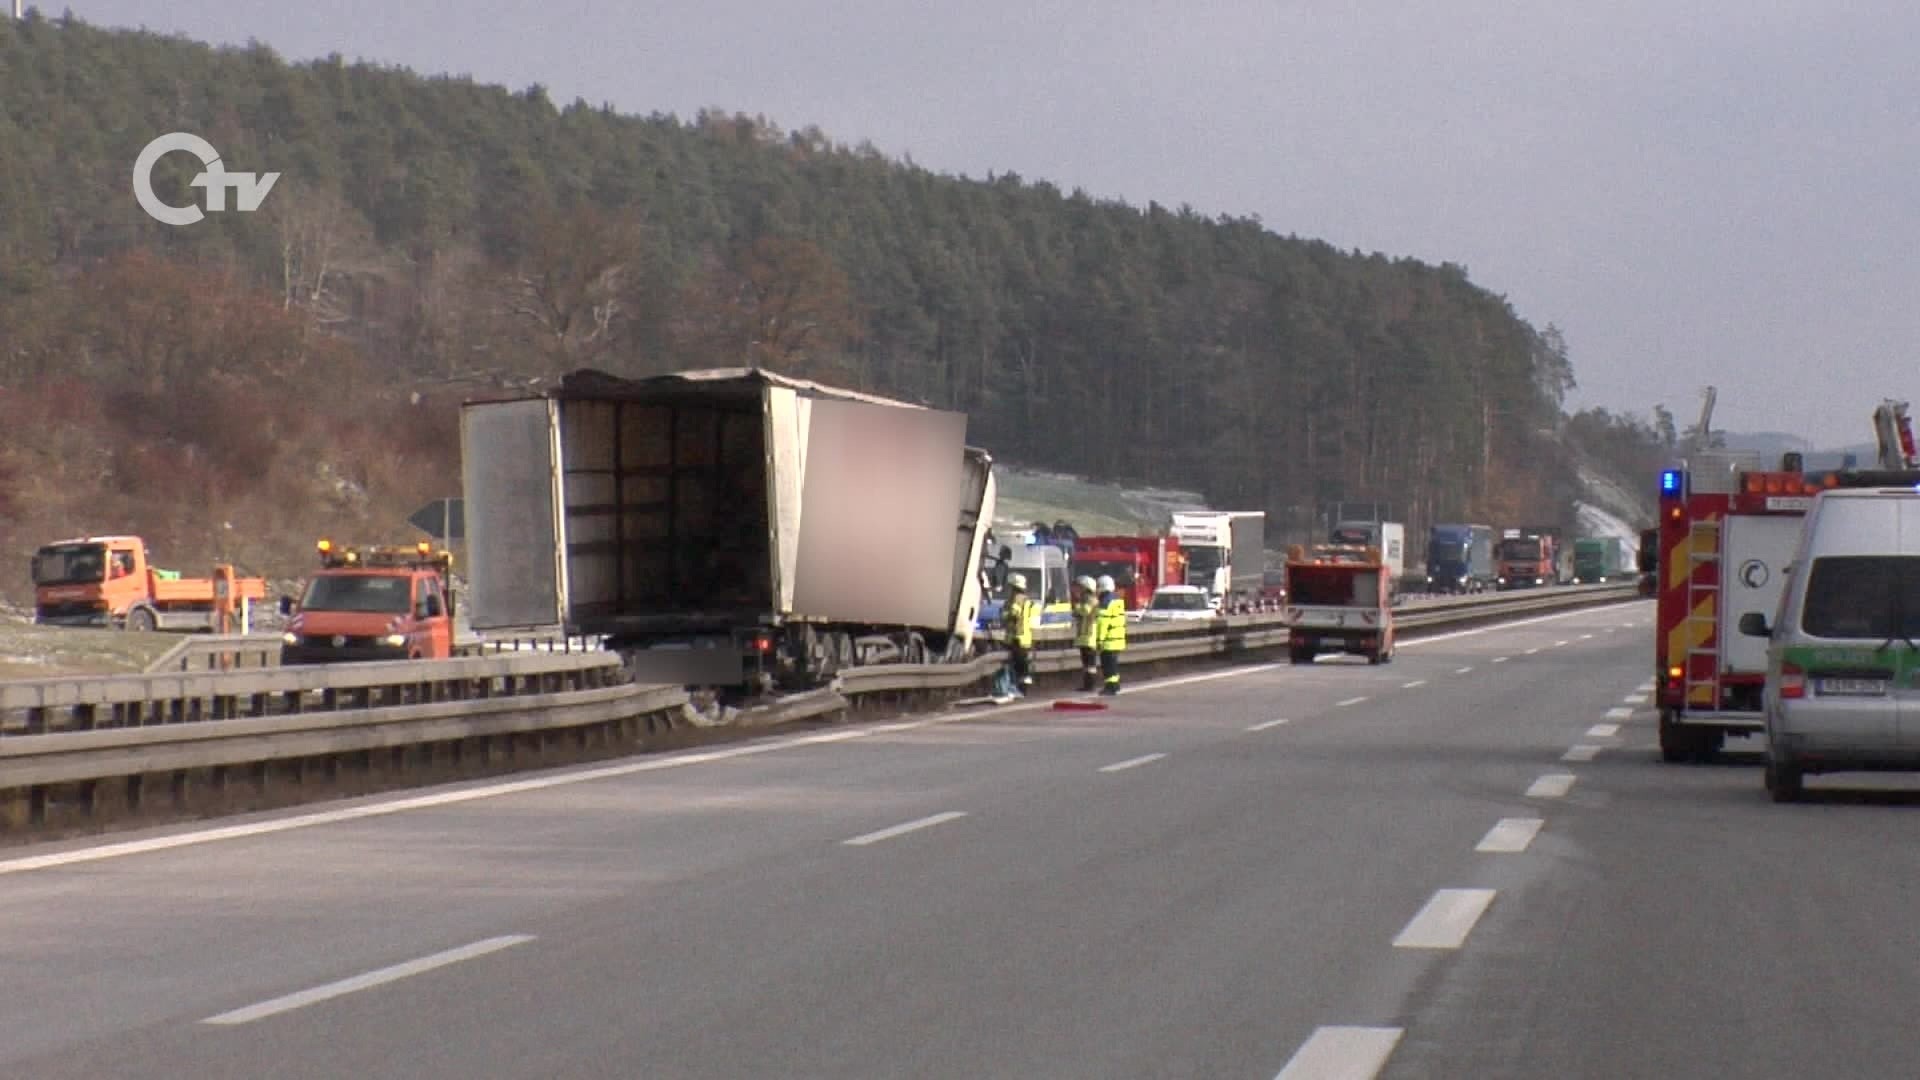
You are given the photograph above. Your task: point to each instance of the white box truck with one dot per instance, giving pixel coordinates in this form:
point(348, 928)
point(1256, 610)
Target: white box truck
point(1226, 553)
point(729, 528)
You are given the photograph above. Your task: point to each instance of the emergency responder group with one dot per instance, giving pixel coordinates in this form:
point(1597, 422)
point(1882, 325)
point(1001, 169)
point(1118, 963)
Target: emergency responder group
point(1099, 632)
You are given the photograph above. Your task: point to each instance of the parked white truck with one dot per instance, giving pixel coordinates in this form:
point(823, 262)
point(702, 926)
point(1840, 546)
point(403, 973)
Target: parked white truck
point(730, 528)
point(1226, 552)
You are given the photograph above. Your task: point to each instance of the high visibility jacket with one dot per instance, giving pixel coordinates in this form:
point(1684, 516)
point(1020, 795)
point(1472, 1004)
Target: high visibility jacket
point(1086, 622)
point(1022, 615)
point(1111, 633)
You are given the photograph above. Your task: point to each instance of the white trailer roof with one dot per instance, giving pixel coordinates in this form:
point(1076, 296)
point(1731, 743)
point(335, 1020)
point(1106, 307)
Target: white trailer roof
point(587, 379)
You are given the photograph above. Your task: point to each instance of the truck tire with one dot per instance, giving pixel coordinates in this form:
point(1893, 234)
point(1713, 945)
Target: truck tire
point(141, 621)
point(1682, 742)
point(1675, 746)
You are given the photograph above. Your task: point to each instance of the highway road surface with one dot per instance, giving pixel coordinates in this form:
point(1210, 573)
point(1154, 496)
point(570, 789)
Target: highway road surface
point(1466, 863)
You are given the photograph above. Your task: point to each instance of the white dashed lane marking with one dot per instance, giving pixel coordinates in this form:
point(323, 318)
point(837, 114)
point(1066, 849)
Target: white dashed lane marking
point(1342, 1053)
point(1603, 731)
point(1510, 836)
point(368, 981)
point(1132, 763)
point(903, 829)
point(1551, 786)
point(1446, 920)
point(1581, 753)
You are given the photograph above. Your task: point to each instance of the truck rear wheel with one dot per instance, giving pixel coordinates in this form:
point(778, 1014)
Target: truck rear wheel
point(1683, 742)
point(141, 621)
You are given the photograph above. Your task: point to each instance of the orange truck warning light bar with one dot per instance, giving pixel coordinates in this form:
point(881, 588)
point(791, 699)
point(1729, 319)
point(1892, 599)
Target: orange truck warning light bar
point(333, 556)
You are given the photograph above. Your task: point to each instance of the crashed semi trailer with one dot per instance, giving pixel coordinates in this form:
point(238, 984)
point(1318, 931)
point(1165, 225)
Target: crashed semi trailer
point(729, 528)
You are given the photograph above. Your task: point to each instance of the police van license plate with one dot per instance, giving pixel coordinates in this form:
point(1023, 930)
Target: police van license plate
point(1854, 687)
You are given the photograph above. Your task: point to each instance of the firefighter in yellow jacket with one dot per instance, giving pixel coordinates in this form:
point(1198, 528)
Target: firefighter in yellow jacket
point(1110, 633)
point(1086, 631)
point(1021, 616)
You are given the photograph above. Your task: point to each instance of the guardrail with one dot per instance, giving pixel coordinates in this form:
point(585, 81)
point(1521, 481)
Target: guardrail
point(82, 749)
point(230, 652)
point(219, 652)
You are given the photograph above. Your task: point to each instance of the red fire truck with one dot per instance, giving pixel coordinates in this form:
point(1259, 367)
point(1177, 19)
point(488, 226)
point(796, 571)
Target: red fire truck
point(1728, 533)
point(1138, 564)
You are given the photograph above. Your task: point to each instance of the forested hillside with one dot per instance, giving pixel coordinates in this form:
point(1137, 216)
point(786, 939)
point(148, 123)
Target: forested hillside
point(232, 386)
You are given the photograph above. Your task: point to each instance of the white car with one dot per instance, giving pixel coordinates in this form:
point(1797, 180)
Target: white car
point(1179, 603)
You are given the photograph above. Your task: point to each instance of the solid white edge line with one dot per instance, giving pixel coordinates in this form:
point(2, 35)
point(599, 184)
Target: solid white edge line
point(1582, 752)
point(1446, 919)
point(1478, 630)
point(1349, 701)
point(1131, 763)
point(1603, 731)
point(1551, 786)
point(1510, 836)
point(1265, 724)
point(1336, 1052)
point(605, 772)
point(903, 828)
point(833, 737)
point(327, 991)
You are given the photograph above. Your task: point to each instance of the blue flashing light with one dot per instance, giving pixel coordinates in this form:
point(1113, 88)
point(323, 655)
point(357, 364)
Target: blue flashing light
point(1670, 482)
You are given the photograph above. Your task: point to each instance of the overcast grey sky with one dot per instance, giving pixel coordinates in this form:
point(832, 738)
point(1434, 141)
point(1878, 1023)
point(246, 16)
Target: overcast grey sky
point(1695, 192)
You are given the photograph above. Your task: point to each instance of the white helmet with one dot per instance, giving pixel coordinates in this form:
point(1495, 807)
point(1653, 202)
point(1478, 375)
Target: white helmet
point(1018, 581)
point(1106, 583)
point(1086, 583)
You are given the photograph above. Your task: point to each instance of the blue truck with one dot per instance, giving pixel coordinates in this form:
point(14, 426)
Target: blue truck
point(1460, 559)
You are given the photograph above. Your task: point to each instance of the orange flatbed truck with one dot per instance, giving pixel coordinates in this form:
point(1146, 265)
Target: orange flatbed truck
point(110, 581)
point(372, 603)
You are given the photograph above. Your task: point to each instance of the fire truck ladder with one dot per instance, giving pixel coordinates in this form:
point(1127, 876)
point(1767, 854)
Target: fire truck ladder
point(1703, 614)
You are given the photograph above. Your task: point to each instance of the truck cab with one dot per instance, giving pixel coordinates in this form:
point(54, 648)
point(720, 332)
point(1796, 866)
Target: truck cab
point(1138, 565)
point(375, 603)
point(1528, 558)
